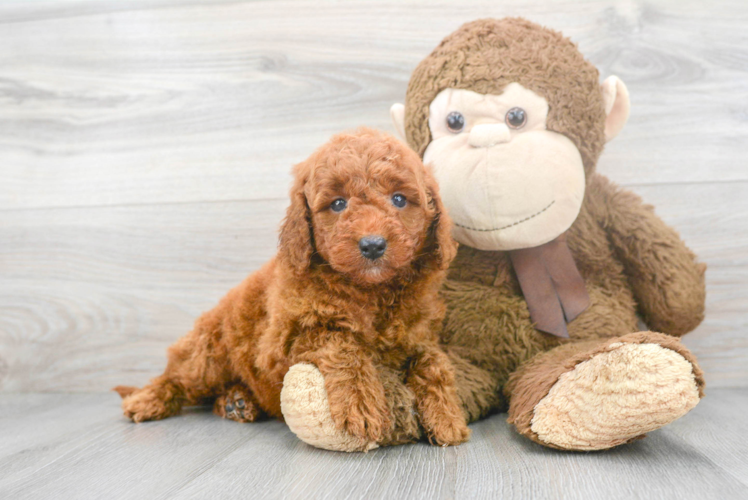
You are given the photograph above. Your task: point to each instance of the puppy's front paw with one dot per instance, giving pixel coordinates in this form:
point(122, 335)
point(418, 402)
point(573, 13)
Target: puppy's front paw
point(449, 432)
point(442, 418)
point(365, 424)
point(361, 413)
point(306, 409)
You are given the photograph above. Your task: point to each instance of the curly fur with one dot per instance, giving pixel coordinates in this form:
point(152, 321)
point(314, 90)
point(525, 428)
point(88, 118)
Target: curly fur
point(320, 301)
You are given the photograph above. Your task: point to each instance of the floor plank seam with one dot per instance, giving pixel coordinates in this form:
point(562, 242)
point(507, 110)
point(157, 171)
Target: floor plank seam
point(232, 449)
point(632, 185)
point(696, 451)
point(104, 426)
point(227, 201)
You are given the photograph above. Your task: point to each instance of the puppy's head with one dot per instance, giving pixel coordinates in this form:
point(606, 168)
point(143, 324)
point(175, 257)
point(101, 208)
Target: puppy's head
point(364, 205)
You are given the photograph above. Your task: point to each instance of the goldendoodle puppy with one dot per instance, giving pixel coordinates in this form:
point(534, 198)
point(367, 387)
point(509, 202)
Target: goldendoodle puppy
point(363, 251)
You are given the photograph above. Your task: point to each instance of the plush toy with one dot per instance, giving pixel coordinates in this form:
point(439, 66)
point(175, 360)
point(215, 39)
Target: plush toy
point(556, 263)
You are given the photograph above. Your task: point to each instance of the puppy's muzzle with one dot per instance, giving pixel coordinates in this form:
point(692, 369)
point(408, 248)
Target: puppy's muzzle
point(372, 247)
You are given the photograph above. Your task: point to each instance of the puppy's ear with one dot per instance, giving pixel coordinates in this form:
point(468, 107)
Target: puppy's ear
point(296, 240)
point(440, 246)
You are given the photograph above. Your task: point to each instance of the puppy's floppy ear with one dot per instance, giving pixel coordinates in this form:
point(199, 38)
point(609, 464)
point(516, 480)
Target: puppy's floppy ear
point(440, 245)
point(296, 240)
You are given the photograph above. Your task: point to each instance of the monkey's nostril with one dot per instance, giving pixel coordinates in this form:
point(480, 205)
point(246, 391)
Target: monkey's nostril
point(372, 247)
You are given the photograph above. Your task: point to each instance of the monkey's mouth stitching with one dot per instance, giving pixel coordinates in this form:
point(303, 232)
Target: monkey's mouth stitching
point(508, 225)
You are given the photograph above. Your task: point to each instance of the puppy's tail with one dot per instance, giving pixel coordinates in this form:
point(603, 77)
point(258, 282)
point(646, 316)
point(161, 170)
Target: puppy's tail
point(124, 390)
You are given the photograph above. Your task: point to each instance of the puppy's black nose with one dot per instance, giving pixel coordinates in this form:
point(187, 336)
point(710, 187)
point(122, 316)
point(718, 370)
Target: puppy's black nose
point(372, 247)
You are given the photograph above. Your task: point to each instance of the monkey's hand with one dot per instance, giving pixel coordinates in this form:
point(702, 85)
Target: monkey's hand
point(667, 281)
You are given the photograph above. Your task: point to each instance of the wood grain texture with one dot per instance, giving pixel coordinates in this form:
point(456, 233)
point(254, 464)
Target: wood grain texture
point(718, 442)
point(92, 297)
point(199, 101)
point(79, 446)
point(145, 150)
point(137, 462)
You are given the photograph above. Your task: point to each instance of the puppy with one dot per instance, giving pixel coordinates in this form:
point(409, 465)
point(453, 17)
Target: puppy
point(363, 251)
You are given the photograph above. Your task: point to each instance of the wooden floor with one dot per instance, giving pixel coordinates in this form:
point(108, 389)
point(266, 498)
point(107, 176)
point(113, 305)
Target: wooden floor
point(61, 446)
point(145, 151)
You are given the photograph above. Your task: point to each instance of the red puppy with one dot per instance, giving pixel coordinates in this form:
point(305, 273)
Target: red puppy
point(363, 251)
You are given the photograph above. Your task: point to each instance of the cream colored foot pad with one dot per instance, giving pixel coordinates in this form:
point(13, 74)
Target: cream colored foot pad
point(307, 411)
point(615, 396)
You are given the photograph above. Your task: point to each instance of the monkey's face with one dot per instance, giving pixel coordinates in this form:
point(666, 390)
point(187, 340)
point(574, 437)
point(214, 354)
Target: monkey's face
point(507, 181)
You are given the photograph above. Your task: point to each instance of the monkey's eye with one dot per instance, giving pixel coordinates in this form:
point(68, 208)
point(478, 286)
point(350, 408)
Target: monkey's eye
point(399, 200)
point(516, 118)
point(455, 122)
point(338, 205)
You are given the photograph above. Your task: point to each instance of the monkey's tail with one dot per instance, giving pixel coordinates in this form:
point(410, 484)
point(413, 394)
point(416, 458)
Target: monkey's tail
point(124, 390)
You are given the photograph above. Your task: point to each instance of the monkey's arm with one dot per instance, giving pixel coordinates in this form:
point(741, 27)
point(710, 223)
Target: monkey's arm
point(667, 281)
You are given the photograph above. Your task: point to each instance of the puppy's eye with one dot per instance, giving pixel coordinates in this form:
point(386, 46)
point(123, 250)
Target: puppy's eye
point(399, 200)
point(338, 205)
point(516, 118)
point(455, 121)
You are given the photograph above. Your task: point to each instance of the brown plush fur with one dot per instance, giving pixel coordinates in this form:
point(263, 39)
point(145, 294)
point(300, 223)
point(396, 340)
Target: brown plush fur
point(320, 301)
point(630, 260)
point(486, 55)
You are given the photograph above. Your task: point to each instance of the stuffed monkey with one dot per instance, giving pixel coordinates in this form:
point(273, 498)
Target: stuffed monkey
point(556, 263)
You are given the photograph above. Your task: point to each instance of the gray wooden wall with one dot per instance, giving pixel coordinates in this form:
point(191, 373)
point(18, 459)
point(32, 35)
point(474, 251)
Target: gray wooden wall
point(145, 150)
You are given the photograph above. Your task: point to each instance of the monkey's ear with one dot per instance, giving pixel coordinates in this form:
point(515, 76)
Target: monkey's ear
point(617, 106)
point(440, 247)
point(397, 112)
point(296, 240)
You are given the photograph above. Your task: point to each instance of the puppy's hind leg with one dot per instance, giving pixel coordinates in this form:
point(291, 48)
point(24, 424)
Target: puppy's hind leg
point(194, 371)
point(199, 365)
point(237, 403)
point(159, 399)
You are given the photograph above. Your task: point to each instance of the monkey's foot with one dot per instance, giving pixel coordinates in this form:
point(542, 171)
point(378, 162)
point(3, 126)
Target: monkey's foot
point(238, 405)
point(307, 412)
point(616, 396)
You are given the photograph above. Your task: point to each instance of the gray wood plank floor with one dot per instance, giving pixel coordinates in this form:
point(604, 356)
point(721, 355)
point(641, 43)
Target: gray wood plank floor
point(145, 150)
point(79, 446)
